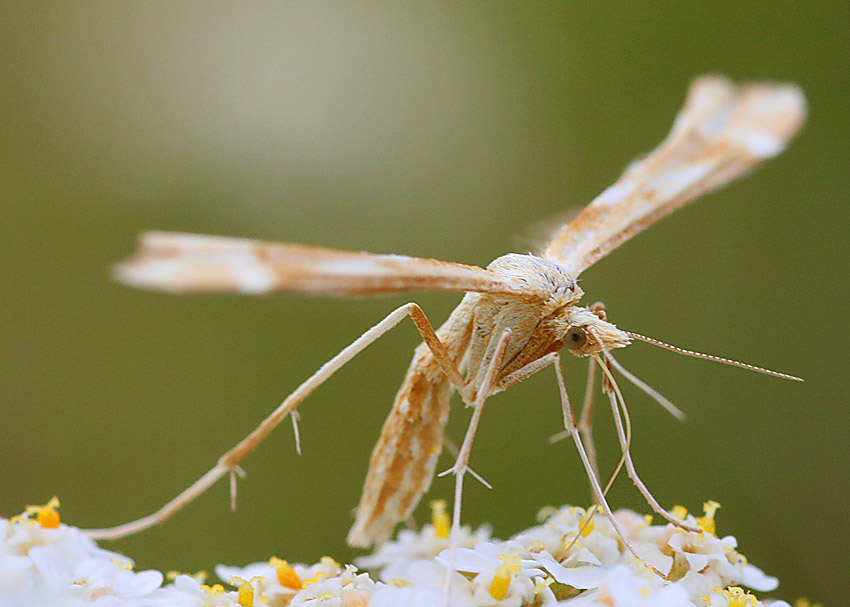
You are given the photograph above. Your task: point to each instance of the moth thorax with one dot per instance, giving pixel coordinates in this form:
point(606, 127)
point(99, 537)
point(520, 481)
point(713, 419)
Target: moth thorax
point(540, 276)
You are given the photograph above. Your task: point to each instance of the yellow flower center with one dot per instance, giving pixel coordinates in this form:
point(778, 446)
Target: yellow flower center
point(245, 592)
point(440, 519)
point(738, 597)
point(321, 575)
point(286, 575)
point(585, 523)
point(706, 522)
point(680, 512)
point(46, 515)
point(502, 579)
point(213, 590)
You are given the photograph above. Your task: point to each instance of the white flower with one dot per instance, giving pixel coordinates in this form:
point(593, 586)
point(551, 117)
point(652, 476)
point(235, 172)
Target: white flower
point(572, 559)
point(393, 558)
point(581, 576)
point(349, 589)
point(622, 587)
point(424, 586)
point(504, 572)
point(755, 578)
point(95, 578)
point(43, 562)
point(489, 556)
point(186, 591)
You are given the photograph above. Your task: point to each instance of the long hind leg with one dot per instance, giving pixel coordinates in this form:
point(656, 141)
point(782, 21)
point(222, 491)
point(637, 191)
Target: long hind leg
point(228, 463)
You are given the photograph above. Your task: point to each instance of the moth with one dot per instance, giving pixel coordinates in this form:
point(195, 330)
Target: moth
point(516, 314)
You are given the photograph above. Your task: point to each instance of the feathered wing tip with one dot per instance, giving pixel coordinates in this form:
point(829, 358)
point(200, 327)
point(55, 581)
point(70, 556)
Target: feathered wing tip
point(722, 132)
point(185, 263)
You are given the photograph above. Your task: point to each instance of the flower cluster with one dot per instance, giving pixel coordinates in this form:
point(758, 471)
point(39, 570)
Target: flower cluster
point(573, 558)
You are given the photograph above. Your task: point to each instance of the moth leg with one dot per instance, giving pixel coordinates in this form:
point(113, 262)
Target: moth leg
point(450, 446)
point(585, 424)
point(613, 392)
point(461, 465)
point(229, 462)
point(572, 429)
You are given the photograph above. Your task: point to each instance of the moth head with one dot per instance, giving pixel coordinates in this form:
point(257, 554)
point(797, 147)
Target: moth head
point(586, 331)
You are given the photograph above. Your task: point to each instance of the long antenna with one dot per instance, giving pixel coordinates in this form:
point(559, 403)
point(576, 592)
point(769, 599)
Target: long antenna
point(718, 359)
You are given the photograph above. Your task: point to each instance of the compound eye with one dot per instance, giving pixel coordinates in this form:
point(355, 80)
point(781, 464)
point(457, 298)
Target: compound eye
point(576, 338)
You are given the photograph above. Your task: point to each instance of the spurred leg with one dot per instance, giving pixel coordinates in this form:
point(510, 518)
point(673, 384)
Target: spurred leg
point(228, 463)
point(461, 465)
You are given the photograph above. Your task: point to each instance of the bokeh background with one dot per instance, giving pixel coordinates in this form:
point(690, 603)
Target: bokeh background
point(432, 129)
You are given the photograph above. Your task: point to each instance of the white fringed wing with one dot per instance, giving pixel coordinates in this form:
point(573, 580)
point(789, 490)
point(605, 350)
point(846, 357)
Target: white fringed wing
point(721, 133)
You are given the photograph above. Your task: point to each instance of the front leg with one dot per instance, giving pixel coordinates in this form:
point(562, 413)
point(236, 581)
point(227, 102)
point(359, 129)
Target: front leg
point(461, 465)
point(572, 428)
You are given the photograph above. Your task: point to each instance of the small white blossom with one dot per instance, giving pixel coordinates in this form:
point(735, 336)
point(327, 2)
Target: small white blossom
point(573, 558)
point(395, 557)
point(622, 587)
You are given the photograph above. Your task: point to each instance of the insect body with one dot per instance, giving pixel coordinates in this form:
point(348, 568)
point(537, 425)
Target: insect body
point(542, 320)
point(515, 316)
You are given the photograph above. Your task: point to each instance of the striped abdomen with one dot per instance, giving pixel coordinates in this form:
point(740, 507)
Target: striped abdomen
point(402, 464)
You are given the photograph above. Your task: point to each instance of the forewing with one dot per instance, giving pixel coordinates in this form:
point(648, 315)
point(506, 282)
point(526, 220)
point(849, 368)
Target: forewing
point(194, 263)
point(722, 132)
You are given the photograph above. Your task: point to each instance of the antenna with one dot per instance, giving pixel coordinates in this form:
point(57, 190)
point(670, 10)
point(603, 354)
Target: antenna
point(718, 359)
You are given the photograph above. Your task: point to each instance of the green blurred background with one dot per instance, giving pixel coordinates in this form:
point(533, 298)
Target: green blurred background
point(431, 129)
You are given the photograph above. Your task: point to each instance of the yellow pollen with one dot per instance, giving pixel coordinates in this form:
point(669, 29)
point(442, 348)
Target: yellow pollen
point(501, 581)
point(48, 518)
point(740, 598)
point(710, 507)
point(542, 585)
point(647, 518)
point(324, 596)
point(245, 595)
point(680, 512)
point(46, 515)
point(321, 575)
point(213, 590)
point(400, 582)
point(286, 575)
point(121, 565)
point(441, 521)
point(586, 524)
point(706, 522)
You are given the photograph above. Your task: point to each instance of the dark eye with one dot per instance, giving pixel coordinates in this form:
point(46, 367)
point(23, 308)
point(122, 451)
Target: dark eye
point(575, 338)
